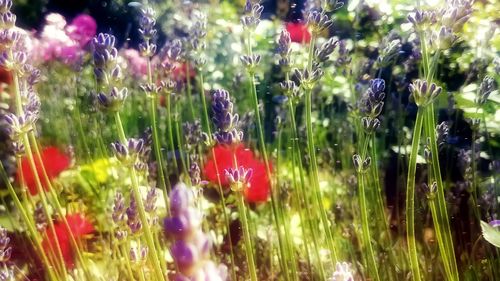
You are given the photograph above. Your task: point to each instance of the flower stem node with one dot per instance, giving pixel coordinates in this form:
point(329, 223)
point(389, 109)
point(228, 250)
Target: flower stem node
point(361, 165)
point(422, 93)
point(238, 178)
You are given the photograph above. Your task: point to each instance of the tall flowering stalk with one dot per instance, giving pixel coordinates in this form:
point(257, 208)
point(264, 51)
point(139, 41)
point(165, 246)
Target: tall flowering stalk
point(293, 95)
point(371, 107)
point(228, 134)
point(437, 32)
point(318, 21)
point(250, 20)
point(128, 151)
point(27, 105)
point(148, 49)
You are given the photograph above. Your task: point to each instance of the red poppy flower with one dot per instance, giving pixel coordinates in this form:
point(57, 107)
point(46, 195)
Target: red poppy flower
point(259, 185)
point(298, 32)
point(54, 162)
point(78, 225)
point(5, 76)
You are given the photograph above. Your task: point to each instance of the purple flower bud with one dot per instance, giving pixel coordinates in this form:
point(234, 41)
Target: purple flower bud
point(185, 255)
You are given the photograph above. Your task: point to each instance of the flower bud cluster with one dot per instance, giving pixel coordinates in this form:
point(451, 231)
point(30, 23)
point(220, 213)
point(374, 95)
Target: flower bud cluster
point(193, 135)
point(323, 53)
point(251, 18)
point(5, 249)
point(226, 122)
point(361, 165)
point(424, 93)
point(250, 62)
point(134, 153)
point(291, 91)
point(318, 21)
point(196, 39)
point(119, 217)
point(106, 70)
point(430, 191)
point(308, 78)
point(485, 89)
point(439, 27)
point(343, 58)
point(14, 58)
point(148, 32)
point(284, 50)
point(190, 246)
point(372, 104)
point(239, 178)
point(343, 272)
point(389, 52)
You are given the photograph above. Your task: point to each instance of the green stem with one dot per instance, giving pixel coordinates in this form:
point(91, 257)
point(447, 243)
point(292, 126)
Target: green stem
point(140, 204)
point(246, 236)
point(365, 225)
point(262, 144)
point(206, 119)
point(159, 158)
point(188, 88)
point(171, 130)
point(441, 201)
point(29, 223)
point(410, 197)
point(314, 165)
point(304, 194)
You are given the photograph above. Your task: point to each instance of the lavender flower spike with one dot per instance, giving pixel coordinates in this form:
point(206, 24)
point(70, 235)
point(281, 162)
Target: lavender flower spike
point(226, 122)
point(190, 246)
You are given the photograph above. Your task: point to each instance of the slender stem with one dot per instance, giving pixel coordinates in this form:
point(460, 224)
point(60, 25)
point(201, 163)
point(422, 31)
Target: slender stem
point(140, 204)
point(206, 119)
point(441, 201)
point(177, 125)
point(171, 129)
point(303, 191)
point(188, 89)
point(58, 206)
point(45, 206)
point(365, 225)
point(246, 236)
point(262, 144)
point(313, 162)
point(29, 223)
point(410, 197)
point(159, 158)
point(31, 160)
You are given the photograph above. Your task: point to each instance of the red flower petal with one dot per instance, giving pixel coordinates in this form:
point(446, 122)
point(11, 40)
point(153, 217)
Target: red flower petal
point(298, 32)
point(54, 162)
point(259, 185)
point(78, 225)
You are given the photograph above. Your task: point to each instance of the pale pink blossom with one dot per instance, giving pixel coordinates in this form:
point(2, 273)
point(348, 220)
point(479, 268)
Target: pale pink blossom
point(138, 65)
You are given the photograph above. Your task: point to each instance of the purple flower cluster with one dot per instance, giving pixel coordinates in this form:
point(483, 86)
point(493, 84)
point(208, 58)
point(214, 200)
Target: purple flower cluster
point(252, 15)
point(14, 58)
point(372, 104)
point(226, 122)
point(439, 26)
point(148, 32)
point(190, 247)
point(5, 249)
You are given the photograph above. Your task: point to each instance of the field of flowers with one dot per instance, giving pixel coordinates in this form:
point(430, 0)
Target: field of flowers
point(351, 140)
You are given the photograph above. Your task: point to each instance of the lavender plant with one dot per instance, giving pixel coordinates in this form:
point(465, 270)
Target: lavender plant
point(365, 149)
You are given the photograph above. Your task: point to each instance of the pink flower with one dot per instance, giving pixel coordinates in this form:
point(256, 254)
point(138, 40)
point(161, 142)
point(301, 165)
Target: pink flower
point(82, 29)
point(138, 64)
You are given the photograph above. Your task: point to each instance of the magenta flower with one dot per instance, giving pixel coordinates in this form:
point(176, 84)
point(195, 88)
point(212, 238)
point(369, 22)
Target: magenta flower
point(82, 29)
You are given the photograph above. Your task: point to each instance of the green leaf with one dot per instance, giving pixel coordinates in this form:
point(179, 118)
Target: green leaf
point(491, 234)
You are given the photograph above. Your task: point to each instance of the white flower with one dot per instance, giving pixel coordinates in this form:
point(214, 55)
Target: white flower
point(342, 272)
